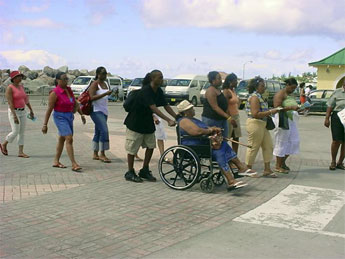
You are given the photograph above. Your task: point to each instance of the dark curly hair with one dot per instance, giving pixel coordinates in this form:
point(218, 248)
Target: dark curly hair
point(254, 84)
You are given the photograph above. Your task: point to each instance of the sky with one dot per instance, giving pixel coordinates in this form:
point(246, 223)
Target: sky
point(133, 37)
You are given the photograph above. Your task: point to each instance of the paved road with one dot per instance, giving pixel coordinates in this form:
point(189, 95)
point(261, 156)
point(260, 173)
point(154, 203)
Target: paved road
point(54, 213)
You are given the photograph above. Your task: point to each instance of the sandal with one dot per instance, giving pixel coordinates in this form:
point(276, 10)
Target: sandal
point(105, 159)
point(59, 165)
point(23, 155)
point(333, 166)
point(236, 185)
point(269, 175)
point(340, 166)
point(286, 167)
point(95, 158)
point(281, 171)
point(249, 172)
point(77, 169)
point(3, 150)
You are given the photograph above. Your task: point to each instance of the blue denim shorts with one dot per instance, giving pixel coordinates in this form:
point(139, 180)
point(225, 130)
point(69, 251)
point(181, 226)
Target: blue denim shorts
point(223, 156)
point(64, 122)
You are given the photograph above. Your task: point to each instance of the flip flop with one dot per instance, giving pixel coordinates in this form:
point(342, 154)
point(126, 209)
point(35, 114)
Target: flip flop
point(286, 167)
point(77, 169)
point(333, 166)
point(59, 165)
point(23, 156)
point(249, 172)
point(3, 151)
point(237, 185)
point(281, 170)
point(269, 175)
point(95, 158)
point(105, 160)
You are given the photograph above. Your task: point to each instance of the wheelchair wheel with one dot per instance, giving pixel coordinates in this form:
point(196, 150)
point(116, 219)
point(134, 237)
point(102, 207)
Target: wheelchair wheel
point(206, 185)
point(218, 179)
point(179, 167)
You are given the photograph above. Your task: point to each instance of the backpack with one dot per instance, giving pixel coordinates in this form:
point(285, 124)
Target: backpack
point(130, 102)
point(85, 101)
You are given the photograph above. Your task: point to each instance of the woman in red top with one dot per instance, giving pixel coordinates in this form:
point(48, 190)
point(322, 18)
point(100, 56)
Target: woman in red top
point(63, 102)
point(17, 99)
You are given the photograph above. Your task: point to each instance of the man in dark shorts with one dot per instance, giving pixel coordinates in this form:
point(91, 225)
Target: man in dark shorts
point(141, 127)
point(335, 104)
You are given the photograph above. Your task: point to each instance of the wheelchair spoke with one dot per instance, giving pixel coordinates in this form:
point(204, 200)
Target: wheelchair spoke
point(169, 172)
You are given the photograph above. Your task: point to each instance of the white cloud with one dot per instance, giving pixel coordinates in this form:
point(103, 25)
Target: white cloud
point(11, 38)
point(38, 23)
point(34, 6)
point(272, 54)
point(99, 10)
point(32, 58)
point(292, 17)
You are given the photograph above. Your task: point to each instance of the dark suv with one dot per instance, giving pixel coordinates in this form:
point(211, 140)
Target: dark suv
point(272, 87)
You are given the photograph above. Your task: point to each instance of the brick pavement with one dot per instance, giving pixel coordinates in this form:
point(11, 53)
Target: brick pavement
point(54, 213)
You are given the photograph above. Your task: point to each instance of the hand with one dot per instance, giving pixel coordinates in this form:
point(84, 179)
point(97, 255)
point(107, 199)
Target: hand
point(326, 123)
point(15, 118)
point(44, 129)
point(156, 121)
point(171, 123)
point(109, 92)
point(83, 119)
point(32, 114)
point(233, 123)
point(274, 111)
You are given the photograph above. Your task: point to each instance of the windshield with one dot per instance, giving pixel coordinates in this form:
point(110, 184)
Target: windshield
point(82, 81)
point(179, 82)
point(126, 83)
point(115, 81)
point(137, 82)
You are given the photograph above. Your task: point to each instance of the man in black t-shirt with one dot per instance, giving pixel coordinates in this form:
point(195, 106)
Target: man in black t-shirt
point(141, 127)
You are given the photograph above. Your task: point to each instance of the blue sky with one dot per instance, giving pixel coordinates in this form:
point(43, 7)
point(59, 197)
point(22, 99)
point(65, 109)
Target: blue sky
point(133, 37)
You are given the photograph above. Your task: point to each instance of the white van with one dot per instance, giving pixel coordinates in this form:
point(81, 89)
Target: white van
point(185, 87)
point(82, 82)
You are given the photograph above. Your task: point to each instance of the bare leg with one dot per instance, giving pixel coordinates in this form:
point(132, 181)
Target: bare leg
point(342, 154)
point(95, 155)
point(130, 162)
point(70, 150)
point(59, 148)
point(148, 155)
point(160, 144)
point(4, 145)
point(268, 169)
point(229, 177)
point(334, 151)
point(21, 152)
point(279, 162)
point(235, 145)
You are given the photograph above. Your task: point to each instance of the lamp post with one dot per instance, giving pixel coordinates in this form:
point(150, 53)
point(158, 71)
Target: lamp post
point(244, 67)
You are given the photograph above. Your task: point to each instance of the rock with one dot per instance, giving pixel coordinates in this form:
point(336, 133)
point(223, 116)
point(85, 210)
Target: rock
point(46, 80)
point(7, 82)
point(84, 72)
point(31, 74)
point(63, 69)
point(74, 72)
point(49, 71)
point(23, 69)
point(92, 72)
point(71, 78)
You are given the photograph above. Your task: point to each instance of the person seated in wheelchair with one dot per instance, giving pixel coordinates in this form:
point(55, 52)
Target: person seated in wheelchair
point(221, 150)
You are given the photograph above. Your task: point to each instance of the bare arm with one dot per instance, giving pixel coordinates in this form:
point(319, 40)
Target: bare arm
point(170, 110)
point(51, 104)
point(211, 96)
point(93, 89)
point(155, 110)
point(278, 101)
point(192, 129)
point(328, 114)
point(255, 109)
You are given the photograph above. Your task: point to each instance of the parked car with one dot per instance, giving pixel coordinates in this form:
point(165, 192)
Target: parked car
point(203, 91)
point(137, 84)
point(319, 100)
point(272, 87)
point(185, 87)
point(125, 84)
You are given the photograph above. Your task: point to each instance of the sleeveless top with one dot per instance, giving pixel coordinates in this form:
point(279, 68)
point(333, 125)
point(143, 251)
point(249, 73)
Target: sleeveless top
point(263, 106)
point(182, 132)
point(19, 97)
point(208, 112)
point(63, 102)
point(101, 105)
point(233, 103)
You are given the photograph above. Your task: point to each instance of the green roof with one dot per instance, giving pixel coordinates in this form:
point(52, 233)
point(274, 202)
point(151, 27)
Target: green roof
point(337, 58)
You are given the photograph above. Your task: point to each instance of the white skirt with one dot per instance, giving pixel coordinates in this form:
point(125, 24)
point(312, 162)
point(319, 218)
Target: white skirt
point(286, 142)
point(160, 132)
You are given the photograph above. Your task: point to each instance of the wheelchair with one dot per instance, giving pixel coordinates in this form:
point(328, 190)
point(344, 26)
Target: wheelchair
point(182, 166)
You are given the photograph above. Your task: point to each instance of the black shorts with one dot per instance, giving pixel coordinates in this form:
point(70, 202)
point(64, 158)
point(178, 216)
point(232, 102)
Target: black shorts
point(337, 128)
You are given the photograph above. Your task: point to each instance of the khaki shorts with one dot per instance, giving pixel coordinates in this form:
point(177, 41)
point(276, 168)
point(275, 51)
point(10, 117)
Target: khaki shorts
point(134, 140)
point(235, 132)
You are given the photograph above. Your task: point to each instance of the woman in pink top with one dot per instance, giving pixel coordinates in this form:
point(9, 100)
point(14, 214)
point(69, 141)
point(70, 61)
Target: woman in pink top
point(17, 99)
point(229, 86)
point(63, 102)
